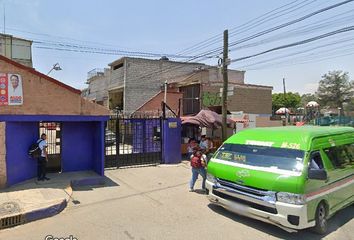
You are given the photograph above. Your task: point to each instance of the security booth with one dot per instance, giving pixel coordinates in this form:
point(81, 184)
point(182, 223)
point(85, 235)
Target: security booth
point(32, 103)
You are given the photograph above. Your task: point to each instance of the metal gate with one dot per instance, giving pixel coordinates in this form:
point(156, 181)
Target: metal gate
point(53, 132)
point(133, 141)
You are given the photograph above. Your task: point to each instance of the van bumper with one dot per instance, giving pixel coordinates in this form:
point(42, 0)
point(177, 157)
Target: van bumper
point(289, 217)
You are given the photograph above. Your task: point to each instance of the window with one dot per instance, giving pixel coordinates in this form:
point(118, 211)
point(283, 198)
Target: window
point(316, 161)
point(341, 156)
point(191, 102)
point(269, 157)
point(117, 66)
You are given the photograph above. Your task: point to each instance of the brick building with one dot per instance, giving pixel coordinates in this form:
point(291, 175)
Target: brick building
point(77, 139)
point(17, 49)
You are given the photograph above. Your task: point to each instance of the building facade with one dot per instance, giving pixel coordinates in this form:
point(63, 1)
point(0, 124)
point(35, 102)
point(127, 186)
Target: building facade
point(98, 80)
point(16, 49)
point(76, 143)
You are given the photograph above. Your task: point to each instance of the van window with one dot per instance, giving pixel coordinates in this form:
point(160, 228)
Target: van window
point(261, 156)
point(341, 156)
point(316, 161)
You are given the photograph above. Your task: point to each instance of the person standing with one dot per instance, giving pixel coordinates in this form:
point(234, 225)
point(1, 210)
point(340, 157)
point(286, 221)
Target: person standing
point(198, 163)
point(204, 144)
point(43, 158)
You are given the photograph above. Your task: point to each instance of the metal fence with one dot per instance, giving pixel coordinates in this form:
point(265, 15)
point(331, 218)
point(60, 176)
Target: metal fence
point(133, 141)
point(53, 132)
point(335, 121)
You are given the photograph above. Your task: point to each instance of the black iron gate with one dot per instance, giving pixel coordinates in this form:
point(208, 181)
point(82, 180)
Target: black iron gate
point(53, 132)
point(133, 141)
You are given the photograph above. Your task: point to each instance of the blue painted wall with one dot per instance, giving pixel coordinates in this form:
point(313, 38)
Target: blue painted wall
point(172, 141)
point(19, 136)
point(99, 148)
point(82, 148)
point(77, 146)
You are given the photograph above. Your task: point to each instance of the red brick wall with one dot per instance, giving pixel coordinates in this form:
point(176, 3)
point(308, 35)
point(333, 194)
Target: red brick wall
point(246, 98)
point(155, 103)
point(43, 97)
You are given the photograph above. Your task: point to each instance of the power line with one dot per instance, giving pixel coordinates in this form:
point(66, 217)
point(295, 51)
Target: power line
point(212, 40)
point(342, 30)
point(272, 66)
point(270, 60)
point(249, 24)
point(303, 30)
point(217, 50)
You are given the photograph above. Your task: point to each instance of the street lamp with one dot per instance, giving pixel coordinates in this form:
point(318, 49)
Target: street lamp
point(55, 67)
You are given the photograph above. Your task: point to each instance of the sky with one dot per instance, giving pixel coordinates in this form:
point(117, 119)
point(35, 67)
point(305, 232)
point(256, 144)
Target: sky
point(169, 27)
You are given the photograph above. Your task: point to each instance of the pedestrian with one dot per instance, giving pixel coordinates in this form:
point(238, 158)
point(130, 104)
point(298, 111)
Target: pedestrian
point(192, 143)
point(42, 159)
point(205, 144)
point(198, 163)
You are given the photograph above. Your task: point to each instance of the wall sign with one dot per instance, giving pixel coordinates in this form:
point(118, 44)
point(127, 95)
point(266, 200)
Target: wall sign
point(10, 89)
point(172, 125)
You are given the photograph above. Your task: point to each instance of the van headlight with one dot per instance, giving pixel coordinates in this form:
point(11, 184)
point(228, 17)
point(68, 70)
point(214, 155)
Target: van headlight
point(211, 178)
point(292, 198)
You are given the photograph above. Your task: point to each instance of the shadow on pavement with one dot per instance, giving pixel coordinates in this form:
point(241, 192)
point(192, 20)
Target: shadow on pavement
point(105, 182)
point(337, 221)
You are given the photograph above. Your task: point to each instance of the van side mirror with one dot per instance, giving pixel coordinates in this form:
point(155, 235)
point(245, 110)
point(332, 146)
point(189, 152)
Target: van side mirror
point(317, 174)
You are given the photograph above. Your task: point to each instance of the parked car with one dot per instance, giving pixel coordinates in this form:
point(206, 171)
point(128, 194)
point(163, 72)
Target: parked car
point(292, 177)
point(110, 138)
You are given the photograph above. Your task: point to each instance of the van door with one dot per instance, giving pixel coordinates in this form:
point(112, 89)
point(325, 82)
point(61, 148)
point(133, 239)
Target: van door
point(340, 173)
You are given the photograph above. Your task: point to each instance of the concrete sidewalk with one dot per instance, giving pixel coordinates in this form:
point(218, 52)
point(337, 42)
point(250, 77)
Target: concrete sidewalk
point(33, 200)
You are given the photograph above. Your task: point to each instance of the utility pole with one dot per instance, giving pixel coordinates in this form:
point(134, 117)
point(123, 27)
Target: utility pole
point(225, 62)
point(285, 106)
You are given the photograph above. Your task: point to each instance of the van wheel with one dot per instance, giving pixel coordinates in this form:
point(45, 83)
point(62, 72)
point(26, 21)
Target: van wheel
point(321, 219)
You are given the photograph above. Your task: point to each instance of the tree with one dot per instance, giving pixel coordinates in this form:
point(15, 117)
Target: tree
point(308, 97)
point(290, 100)
point(334, 89)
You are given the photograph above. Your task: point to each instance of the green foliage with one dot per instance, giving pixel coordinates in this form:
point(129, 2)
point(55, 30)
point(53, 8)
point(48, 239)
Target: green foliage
point(308, 97)
point(290, 100)
point(334, 89)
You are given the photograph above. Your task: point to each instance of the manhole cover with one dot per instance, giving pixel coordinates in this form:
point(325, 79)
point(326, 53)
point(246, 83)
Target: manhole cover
point(9, 208)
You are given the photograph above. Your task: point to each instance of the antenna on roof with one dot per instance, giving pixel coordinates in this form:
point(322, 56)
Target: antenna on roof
point(4, 17)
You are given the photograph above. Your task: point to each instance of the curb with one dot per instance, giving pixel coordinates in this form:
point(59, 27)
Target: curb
point(45, 212)
point(49, 211)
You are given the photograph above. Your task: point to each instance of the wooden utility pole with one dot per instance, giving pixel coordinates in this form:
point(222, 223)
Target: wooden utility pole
point(225, 62)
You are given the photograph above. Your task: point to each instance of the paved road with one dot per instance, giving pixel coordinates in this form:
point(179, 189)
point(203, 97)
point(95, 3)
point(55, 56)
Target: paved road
point(154, 203)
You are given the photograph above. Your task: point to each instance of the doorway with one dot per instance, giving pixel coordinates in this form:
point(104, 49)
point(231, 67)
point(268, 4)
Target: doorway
point(53, 132)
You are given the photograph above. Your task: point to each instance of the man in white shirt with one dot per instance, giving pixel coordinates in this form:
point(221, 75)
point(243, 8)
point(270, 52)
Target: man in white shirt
point(15, 90)
point(42, 160)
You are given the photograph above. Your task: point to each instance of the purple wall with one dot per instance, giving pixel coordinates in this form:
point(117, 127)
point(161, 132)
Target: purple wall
point(172, 141)
point(19, 136)
point(99, 148)
point(82, 146)
point(77, 146)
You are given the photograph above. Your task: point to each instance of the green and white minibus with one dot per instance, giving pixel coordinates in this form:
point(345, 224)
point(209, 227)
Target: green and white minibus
point(292, 177)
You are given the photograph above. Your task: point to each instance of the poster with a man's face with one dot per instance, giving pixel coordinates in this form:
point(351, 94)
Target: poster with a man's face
point(10, 89)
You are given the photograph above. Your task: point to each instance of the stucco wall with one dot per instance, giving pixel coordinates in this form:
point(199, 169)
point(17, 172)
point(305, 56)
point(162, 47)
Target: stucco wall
point(44, 97)
point(2, 155)
point(144, 79)
point(246, 98)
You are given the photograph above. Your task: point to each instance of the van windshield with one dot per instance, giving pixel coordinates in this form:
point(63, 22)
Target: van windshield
point(261, 156)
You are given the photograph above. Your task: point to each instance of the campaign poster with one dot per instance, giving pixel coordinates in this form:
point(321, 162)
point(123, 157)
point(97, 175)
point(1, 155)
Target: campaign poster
point(10, 89)
point(3, 89)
